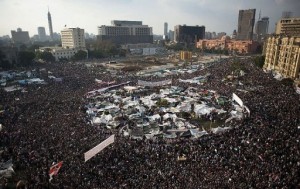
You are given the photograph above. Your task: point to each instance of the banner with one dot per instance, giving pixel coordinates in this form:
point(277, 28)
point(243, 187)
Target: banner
point(54, 169)
point(247, 109)
point(237, 99)
point(92, 152)
point(154, 84)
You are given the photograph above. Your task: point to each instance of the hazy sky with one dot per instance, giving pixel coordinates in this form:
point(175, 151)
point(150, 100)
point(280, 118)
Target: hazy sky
point(215, 15)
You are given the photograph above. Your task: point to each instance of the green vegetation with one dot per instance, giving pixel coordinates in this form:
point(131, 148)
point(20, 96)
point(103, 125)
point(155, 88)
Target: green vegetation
point(46, 56)
point(104, 49)
point(25, 58)
point(216, 51)
point(80, 55)
point(3, 62)
point(259, 61)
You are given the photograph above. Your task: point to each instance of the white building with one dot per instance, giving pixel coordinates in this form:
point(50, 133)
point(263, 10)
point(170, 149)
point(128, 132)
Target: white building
point(60, 52)
point(73, 38)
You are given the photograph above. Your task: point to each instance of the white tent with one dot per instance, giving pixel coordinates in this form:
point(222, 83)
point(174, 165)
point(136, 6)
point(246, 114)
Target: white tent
point(220, 130)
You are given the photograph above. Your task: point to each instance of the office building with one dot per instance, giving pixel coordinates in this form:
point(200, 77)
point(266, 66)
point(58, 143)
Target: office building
point(166, 28)
point(20, 37)
point(50, 25)
point(42, 34)
point(288, 26)
point(126, 23)
point(283, 55)
point(246, 22)
point(189, 34)
point(125, 32)
point(261, 28)
point(165, 37)
point(208, 35)
point(171, 35)
point(73, 38)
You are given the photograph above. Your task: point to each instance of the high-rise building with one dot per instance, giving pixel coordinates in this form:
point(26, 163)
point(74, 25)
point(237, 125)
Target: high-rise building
point(20, 37)
point(208, 35)
point(288, 26)
point(171, 35)
point(125, 32)
point(283, 55)
point(165, 30)
point(42, 34)
point(50, 25)
point(245, 24)
point(189, 34)
point(261, 29)
point(73, 38)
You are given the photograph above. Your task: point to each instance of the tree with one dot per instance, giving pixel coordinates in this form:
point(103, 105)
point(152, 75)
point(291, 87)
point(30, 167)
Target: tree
point(25, 58)
point(33, 47)
point(46, 56)
point(259, 61)
point(3, 62)
point(80, 55)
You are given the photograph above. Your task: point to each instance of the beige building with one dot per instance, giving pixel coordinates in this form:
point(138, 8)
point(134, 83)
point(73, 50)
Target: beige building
point(73, 38)
point(282, 56)
point(288, 26)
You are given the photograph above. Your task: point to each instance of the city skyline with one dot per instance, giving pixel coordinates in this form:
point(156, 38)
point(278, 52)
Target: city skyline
point(213, 14)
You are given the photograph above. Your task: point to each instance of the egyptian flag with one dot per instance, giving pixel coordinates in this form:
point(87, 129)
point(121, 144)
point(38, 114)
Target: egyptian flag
point(54, 169)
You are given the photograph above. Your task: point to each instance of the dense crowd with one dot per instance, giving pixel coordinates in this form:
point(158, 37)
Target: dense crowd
point(47, 124)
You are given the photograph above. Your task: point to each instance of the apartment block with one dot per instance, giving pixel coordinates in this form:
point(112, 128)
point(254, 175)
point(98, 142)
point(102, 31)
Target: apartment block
point(282, 55)
point(288, 26)
point(73, 38)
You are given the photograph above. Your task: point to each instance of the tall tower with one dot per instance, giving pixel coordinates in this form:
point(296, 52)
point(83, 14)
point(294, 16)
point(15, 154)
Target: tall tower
point(246, 24)
point(165, 36)
point(165, 28)
point(50, 25)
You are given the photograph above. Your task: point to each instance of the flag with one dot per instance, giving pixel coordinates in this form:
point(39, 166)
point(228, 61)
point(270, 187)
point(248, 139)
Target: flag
point(54, 169)
point(92, 152)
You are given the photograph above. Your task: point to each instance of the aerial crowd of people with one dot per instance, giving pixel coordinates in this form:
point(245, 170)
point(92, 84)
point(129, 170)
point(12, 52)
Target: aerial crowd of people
point(47, 124)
